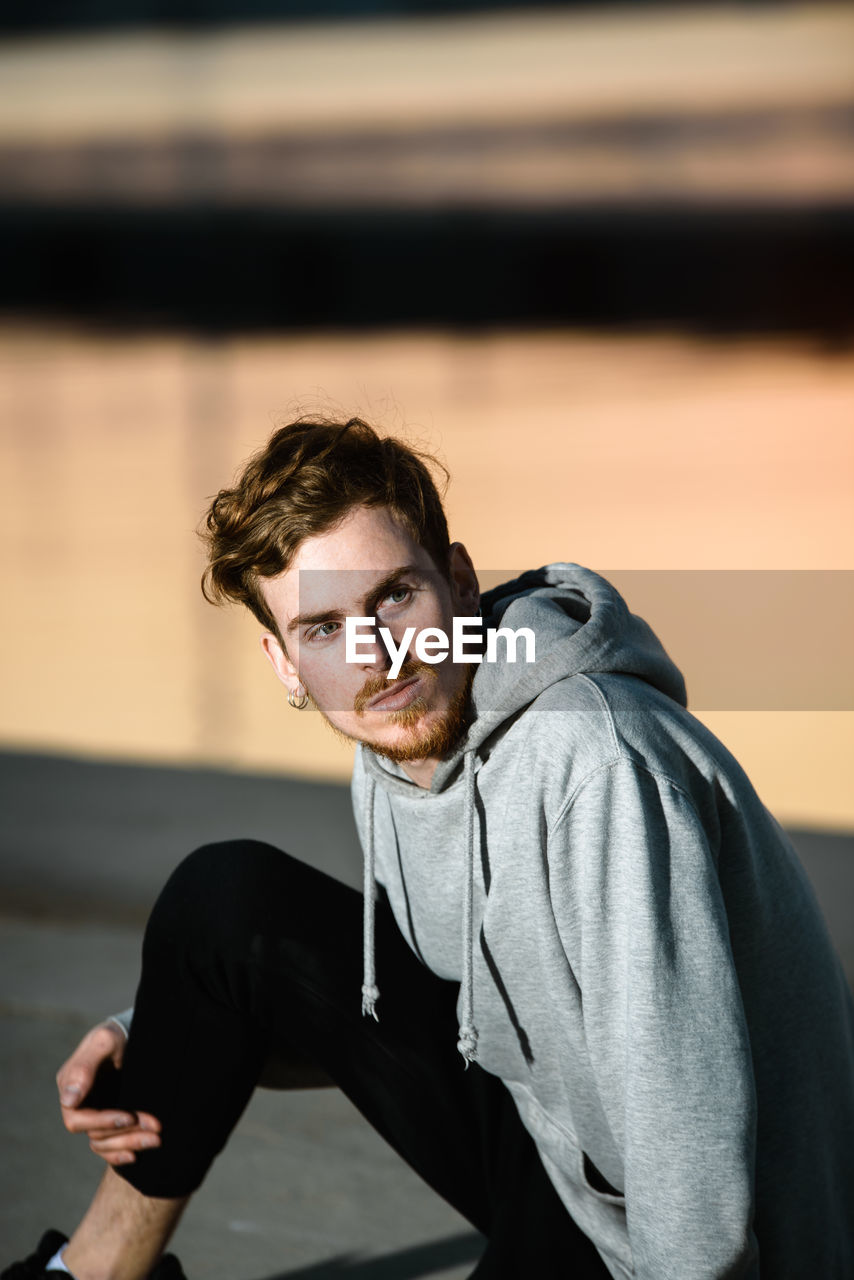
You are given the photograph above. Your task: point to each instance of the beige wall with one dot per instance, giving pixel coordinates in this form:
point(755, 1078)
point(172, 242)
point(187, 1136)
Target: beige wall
point(621, 453)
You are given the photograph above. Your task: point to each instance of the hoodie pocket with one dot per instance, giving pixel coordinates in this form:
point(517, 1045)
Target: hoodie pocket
point(601, 1214)
point(597, 1182)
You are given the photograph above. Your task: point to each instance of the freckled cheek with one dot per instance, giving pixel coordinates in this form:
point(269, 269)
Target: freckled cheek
point(332, 681)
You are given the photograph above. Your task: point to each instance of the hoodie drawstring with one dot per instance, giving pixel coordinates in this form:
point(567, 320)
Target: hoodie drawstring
point(370, 990)
point(467, 1042)
point(468, 1035)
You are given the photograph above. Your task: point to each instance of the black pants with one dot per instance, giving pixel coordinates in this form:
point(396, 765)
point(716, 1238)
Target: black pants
point(249, 953)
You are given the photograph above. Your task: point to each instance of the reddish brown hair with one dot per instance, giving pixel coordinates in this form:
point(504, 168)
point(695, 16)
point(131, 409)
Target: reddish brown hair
point(309, 476)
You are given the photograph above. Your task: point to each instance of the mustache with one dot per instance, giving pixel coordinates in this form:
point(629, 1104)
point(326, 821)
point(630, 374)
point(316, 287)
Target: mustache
point(380, 684)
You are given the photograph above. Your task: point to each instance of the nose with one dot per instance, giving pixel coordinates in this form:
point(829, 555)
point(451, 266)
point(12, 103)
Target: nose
point(383, 654)
point(380, 658)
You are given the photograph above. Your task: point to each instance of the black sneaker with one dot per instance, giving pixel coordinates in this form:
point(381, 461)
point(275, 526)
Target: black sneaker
point(33, 1267)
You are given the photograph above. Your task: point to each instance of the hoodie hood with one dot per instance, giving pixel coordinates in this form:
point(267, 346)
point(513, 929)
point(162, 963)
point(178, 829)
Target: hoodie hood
point(581, 625)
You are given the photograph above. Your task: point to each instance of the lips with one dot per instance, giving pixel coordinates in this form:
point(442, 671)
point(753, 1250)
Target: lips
point(394, 699)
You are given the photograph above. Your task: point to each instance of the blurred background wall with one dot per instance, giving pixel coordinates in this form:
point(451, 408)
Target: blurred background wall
point(600, 258)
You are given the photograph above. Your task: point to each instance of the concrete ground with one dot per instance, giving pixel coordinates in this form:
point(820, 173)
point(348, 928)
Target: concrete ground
point(305, 1188)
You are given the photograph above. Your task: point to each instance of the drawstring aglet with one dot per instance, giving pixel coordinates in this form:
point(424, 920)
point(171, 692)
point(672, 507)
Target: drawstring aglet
point(467, 1044)
point(370, 996)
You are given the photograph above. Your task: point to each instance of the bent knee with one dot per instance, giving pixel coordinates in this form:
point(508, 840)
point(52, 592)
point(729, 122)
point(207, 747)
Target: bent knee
point(217, 885)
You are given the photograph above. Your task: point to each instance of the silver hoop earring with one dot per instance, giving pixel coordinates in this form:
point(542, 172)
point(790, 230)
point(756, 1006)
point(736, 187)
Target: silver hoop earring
point(297, 700)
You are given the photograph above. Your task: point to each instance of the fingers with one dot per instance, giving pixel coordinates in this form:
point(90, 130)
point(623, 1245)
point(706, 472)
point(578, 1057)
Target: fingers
point(119, 1157)
point(118, 1146)
point(114, 1135)
point(76, 1076)
point(127, 1132)
point(92, 1121)
point(137, 1140)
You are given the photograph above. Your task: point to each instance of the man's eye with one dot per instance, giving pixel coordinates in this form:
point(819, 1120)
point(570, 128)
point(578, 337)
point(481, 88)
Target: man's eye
point(323, 631)
point(398, 595)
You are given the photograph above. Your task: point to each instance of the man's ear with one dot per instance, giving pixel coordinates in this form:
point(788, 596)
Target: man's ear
point(464, 583)
point(279, 660)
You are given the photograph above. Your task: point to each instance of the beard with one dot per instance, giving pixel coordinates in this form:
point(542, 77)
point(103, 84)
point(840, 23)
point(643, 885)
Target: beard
point(436, 738)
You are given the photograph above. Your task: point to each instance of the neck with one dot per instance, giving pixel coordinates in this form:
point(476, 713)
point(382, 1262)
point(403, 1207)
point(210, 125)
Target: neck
point(420, 771)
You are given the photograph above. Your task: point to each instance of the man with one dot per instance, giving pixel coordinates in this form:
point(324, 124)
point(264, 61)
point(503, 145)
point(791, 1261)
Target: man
point(608, 1023)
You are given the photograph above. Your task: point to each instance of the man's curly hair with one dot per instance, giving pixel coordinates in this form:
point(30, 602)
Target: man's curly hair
point(309, 476)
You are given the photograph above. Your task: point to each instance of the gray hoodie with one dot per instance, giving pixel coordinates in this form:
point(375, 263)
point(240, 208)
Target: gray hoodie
point(641, 958)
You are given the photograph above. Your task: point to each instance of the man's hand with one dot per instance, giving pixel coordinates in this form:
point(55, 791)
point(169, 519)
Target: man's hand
point(114, 1135)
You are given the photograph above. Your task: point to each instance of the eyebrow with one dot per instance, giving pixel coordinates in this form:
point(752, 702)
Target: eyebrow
point(371, 598)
